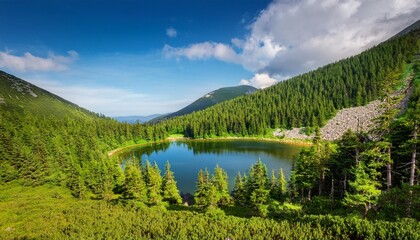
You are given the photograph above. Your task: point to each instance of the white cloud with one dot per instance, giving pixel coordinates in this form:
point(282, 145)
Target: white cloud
point(291, 37)
point(111, 101)
point(29, 62)
point(171, 32)
point(203, 50)
point(260, 80)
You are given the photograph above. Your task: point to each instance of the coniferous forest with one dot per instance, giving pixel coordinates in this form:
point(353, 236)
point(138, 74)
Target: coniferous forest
point(57, 180)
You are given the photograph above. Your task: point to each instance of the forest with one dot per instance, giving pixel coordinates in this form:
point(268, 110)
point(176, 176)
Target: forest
point(364, 185)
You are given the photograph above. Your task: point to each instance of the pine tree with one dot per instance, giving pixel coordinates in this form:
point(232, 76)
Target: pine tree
point(239, 191)
point(281, 185)
point(304, 174)
point(273, 185)
point(169, 189)
point(384, 125)
point(220, 182)
point(134, 186)
point(258, 188)
point(203, 188)
point(365, 189)
point(154, 183)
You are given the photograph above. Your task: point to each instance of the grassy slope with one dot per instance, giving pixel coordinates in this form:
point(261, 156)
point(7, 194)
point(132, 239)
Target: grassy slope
point(52, 213)
point(19, 95)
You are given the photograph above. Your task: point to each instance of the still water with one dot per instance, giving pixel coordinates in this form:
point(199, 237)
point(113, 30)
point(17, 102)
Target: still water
point(188, 157)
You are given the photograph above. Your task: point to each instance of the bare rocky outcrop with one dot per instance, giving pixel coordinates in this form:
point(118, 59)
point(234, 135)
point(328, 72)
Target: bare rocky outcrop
point(357, 119)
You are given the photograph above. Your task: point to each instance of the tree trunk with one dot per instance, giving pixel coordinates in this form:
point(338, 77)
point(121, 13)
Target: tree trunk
point(309, 194)
point(388, 176)
point(302, 193)
point(389, 171)
point(321, 183)
point(413, 157)
point(367, 206)
point(332, 189)
point(357, 155)
point(345, 182)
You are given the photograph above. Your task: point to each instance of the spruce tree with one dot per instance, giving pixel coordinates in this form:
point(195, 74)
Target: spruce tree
point(134, 186)
point(154, 184)
point(220, 182)
point(365, 190)
point(169, 189)
point(239, 191)
point(273, 185)
point(281, 186)
point(202, 189)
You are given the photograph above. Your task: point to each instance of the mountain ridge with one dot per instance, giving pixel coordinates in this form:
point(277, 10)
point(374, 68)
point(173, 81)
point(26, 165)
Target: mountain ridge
point(210, 99)
point(19, 95)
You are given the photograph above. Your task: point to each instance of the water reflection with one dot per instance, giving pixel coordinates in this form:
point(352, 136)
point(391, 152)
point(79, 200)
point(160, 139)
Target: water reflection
point(188, 157)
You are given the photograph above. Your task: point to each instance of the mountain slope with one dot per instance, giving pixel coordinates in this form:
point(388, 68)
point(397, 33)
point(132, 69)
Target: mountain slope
point(306, 100)
point(408, 29)
point(135, 119)
point(19, 95)
point(212, 98)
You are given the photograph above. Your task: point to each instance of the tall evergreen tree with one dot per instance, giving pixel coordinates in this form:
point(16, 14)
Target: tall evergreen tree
point(202, 192)
point(134, 186)
point(239, 190)
point(220, 182)
point(273, 185)
point(170, 191)
point(281, 185)
point(365, 189)
point(154, 183)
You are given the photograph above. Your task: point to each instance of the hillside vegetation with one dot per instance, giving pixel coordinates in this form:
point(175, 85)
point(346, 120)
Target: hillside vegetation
point(210, 99)
point(20, 96)
point(306, 100)
point(57, 182)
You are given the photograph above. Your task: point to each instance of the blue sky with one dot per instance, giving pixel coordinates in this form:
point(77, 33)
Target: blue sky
point(143, 57)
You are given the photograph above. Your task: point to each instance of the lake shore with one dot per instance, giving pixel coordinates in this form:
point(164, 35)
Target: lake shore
point(296, 142)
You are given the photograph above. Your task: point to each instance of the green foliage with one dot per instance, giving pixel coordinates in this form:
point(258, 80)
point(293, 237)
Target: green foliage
point(210, 99)
point(239, 190)
point(304, 175)
point(134, 186)
point(154, 183)
point(305, 100)
point(365, 190)
point(281, 186)
point(52, 213)
point(220, 182)
point(400, 203)
point(170, 191)
point(212, 191)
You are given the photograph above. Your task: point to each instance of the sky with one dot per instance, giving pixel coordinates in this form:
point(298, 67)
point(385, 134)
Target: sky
point(127, 57)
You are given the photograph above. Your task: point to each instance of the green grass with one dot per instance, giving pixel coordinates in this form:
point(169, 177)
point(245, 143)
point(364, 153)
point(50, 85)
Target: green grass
point(19, 95)
point(52, 213)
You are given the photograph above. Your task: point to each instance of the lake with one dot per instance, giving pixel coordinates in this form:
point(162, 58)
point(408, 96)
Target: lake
point(188, 157)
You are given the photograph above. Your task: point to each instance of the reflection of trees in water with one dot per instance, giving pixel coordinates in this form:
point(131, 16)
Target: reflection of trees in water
point(136, 154)
point(248, 147)
point(219, 147)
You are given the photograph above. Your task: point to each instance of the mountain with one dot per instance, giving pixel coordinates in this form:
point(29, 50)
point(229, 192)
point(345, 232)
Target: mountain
point(210, 99)
point(309, 99)
point(135, 119)
point(21, 96)
point(408, 29)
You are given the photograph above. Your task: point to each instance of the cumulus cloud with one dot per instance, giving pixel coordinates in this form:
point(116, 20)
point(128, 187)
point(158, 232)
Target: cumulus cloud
point(203, 50)
point(110, 101)
point(29, 62)
point(315, 33)
point(171, 32)
point(260, 80)
point(292, 37)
